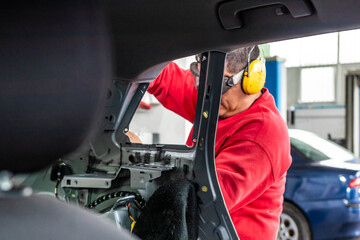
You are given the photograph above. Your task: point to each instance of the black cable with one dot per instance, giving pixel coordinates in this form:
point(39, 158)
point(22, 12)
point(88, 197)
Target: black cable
point(139, 201)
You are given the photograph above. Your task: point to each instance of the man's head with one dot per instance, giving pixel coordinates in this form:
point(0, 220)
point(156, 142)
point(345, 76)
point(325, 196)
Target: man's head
point(235, 63)
point(238, 59)
point(234, 100)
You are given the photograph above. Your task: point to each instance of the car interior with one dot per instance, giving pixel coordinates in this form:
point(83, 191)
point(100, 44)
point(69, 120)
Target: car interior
point(73, 74)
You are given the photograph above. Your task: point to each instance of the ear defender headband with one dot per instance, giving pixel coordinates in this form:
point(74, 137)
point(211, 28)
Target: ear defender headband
point(253, 79)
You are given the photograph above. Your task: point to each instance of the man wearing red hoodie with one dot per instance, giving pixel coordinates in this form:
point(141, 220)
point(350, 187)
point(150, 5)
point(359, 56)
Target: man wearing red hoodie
point(252, 148)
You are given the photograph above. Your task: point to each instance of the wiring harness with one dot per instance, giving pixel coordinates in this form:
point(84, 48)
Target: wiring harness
point(137, 199)
point(125, 198)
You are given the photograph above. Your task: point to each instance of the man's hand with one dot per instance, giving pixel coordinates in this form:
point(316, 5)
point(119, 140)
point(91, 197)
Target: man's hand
point(133, 138)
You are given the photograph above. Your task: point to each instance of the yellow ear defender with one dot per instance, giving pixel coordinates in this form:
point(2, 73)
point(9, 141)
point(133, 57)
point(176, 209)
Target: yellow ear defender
point(254, 76)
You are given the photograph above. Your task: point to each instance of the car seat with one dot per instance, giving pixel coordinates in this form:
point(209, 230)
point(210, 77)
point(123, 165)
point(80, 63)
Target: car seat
point(55, 67)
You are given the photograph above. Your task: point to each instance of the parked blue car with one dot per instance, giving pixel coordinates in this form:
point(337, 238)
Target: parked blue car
point(322, 193)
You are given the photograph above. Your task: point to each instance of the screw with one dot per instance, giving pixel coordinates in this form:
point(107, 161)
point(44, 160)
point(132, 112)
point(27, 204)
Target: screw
point(75, 182)
point(204, 188)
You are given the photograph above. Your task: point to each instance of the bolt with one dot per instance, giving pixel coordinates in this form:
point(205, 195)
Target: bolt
point(204, 188)
point(206, 114)
point(201, 143)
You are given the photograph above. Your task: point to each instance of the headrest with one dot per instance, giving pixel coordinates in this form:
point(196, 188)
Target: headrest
point(55, 67)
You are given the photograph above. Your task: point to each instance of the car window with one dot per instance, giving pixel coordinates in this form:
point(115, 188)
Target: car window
point(154, 124)
point(316, 148)
point(308, 151)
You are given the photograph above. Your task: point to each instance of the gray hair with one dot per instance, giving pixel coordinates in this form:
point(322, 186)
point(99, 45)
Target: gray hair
point(238, 59)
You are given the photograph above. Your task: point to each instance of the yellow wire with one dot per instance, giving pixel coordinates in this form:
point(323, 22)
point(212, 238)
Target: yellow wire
point(132, 226)
point(133, 223)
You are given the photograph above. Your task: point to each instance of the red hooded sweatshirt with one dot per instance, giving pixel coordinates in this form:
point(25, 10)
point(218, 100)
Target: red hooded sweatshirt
point(252, 154)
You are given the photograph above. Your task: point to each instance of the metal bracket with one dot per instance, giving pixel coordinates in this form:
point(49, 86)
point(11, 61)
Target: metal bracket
point(140, 174)
point(83, 196)
point(87, 181)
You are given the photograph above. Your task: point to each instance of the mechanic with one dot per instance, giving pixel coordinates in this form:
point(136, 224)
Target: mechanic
point(252, 148)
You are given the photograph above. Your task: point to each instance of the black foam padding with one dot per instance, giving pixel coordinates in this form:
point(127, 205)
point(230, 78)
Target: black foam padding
point(55, 67)
point(170, 213)
point(45, 217)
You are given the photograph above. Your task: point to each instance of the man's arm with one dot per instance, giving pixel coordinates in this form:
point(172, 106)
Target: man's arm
point(174, 88)
point(244, 172)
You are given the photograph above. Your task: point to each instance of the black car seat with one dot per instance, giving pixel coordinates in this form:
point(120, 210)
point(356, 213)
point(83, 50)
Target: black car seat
point(55, 66)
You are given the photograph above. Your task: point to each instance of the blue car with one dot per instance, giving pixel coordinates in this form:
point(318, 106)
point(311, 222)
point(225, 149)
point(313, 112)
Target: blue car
point(322, 193)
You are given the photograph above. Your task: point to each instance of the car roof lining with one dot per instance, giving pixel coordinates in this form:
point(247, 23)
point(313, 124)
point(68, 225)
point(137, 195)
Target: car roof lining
point(148, 33)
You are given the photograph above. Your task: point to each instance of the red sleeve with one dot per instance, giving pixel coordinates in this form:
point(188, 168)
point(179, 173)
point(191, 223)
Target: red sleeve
point(244, 173)
point(174, 88)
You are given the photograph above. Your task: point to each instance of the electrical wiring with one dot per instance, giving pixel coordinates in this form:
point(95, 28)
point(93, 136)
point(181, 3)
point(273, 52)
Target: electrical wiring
point(139, 201)
point(125, 198)
point(131, 217)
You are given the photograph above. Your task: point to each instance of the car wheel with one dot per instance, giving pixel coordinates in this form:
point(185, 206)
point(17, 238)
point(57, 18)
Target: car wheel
point(293, 224)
